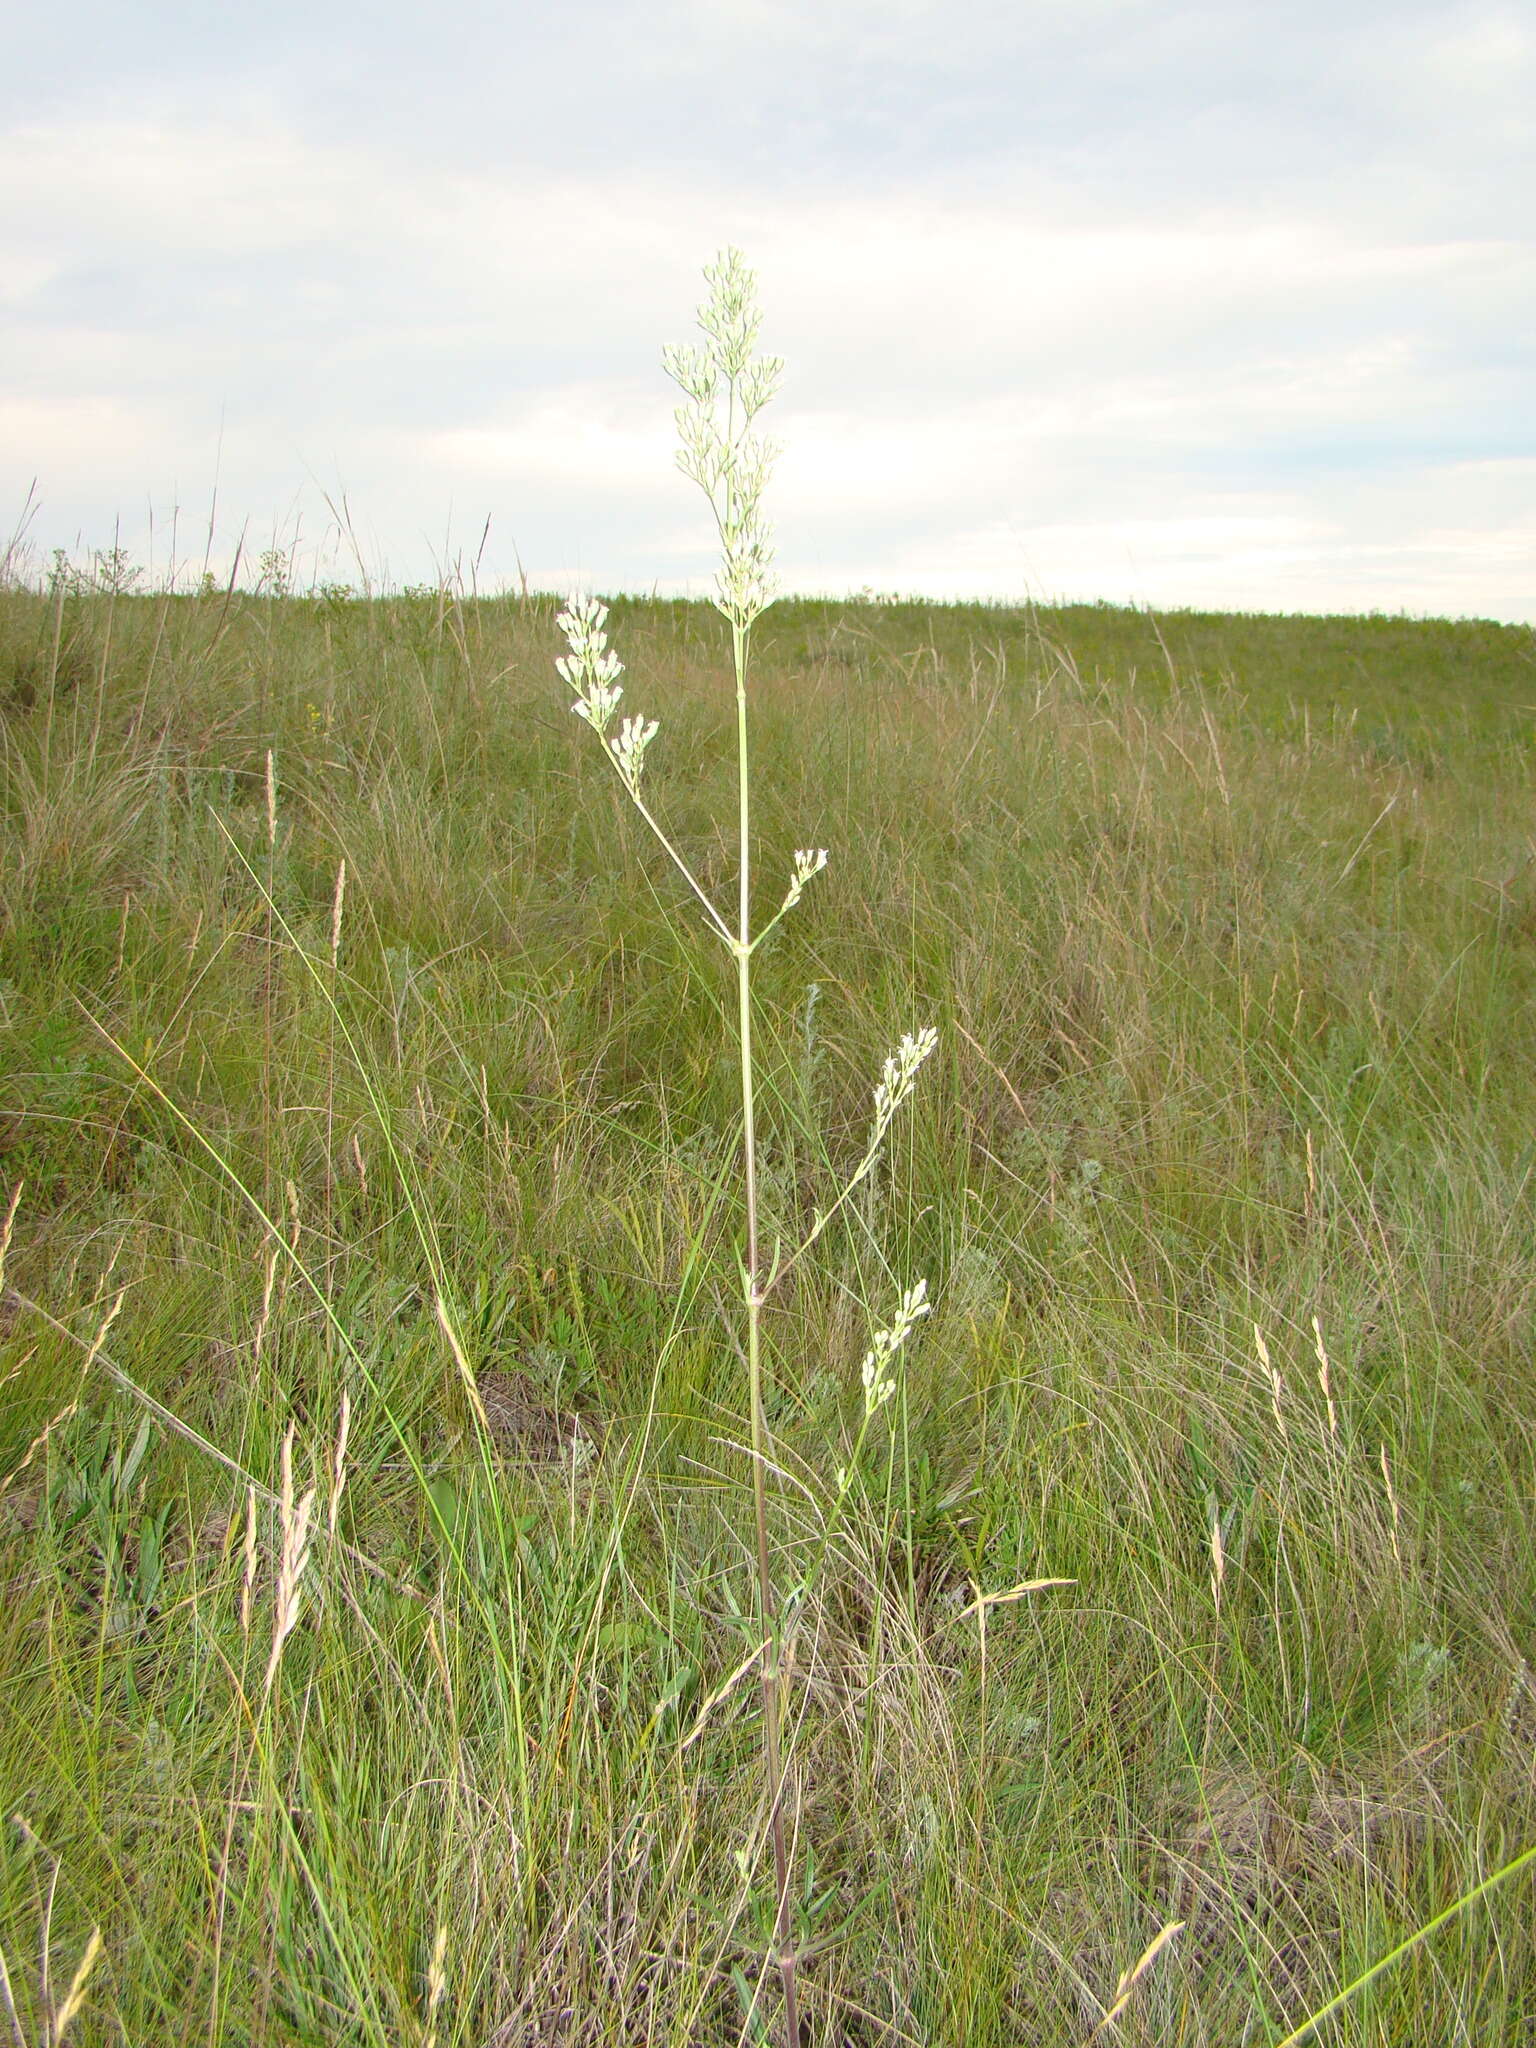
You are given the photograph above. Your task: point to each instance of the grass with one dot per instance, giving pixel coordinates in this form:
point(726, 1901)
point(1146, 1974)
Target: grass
point(1229, 929)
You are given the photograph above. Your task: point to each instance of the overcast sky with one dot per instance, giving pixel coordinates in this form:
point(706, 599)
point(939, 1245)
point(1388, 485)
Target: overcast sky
point(1224, 305)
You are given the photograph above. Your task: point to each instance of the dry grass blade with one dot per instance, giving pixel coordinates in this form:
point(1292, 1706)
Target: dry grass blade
point(437, 1982)
point(985, 1601)
point(74, 1998)
point(466, 1371)
point(1133, 1976)
point(723, 1691)
point(6, 1228)
point(17, 2036)
point(293, 1559)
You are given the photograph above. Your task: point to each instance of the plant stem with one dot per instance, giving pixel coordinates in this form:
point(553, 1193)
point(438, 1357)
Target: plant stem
point(767, 1602)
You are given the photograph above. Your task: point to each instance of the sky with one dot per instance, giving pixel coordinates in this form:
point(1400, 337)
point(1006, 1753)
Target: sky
point(1224, 305)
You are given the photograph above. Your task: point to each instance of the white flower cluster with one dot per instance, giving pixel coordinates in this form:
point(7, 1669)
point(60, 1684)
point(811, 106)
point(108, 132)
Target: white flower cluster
point(634, 736)
point(592, 670)
point(879, 1384)
point(900, 1075)
point(897, 1080)
point(808, 861)
point(730, 464)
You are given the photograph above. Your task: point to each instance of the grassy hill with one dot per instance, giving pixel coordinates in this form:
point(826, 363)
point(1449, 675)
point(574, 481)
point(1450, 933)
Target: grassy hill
point(1221, 1180)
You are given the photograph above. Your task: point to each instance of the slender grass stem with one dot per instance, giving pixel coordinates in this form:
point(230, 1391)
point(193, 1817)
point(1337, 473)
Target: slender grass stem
point(767, 1597)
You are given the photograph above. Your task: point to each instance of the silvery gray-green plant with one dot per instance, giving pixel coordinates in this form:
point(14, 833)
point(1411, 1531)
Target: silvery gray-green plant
point(727, 386)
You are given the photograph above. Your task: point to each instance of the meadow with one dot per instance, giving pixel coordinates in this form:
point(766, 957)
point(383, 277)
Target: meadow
point(417, 1178)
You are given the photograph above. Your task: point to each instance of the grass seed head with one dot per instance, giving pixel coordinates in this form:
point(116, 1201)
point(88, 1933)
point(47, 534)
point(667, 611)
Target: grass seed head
point(628, 749)
point(728, 462)
point(592, 668)
point(809, 861)
point(875, 1372)
point(294, 1519)
point(899, 1077)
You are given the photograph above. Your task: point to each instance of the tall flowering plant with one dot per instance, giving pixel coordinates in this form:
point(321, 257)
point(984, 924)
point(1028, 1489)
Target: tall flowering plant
point(726, 385)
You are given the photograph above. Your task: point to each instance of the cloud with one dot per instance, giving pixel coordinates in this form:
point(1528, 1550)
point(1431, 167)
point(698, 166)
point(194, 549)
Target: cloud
point(81, 435)
point(606, 437)
point(1199, 405)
